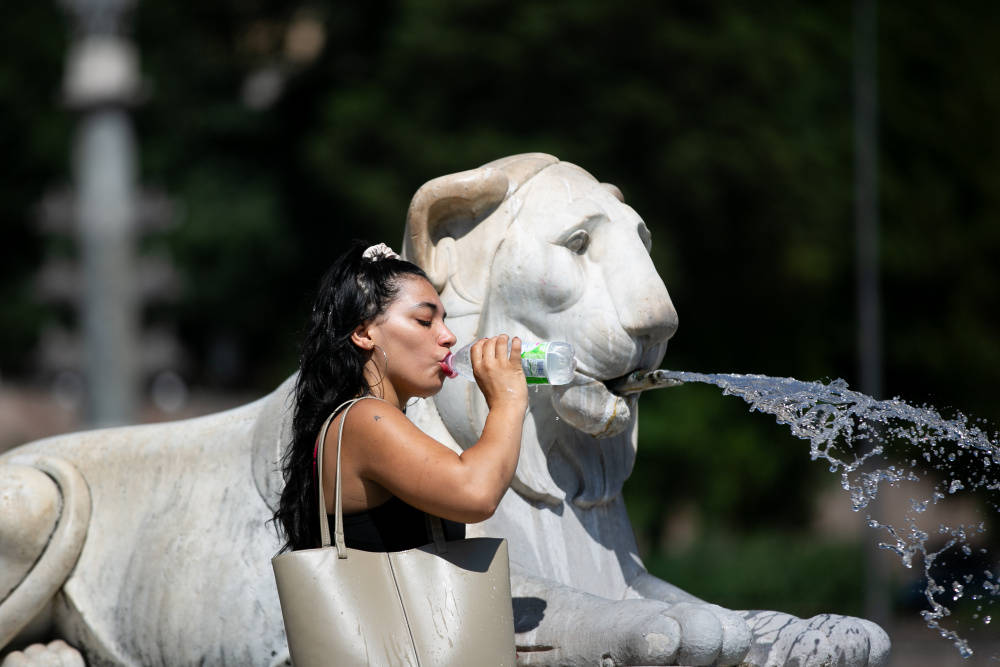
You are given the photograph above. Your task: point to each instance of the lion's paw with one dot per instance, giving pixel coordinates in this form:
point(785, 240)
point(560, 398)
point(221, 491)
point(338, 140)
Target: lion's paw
point(710, 635)
point(641, 632)
point(828, 639)
point(54, 654)
point(600, 632)
point(650, 639)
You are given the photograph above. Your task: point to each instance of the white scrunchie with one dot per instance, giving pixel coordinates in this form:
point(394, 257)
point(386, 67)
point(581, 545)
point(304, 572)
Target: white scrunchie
point(379, 251)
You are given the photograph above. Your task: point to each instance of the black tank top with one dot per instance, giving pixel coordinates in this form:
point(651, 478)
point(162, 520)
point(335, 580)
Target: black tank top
point(392, 526)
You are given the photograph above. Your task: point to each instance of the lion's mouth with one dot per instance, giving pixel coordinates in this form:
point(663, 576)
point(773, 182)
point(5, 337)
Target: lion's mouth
point(620, 385)
point(639, 380)
point(624, 377)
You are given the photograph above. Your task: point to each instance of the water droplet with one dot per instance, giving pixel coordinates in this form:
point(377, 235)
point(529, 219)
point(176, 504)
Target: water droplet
point(987, 619)
point(956, 485)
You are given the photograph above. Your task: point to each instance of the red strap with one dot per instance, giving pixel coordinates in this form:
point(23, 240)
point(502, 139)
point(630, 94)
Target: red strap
point(315, 452)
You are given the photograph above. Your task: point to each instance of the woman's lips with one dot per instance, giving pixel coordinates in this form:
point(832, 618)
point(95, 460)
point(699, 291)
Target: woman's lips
point(445, 365)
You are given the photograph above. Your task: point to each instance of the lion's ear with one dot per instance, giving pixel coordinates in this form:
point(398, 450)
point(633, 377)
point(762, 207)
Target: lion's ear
point(613, 189)
point(446, 207)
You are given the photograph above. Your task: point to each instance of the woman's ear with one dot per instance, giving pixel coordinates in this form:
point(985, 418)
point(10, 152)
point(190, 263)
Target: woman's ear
point(362, 338)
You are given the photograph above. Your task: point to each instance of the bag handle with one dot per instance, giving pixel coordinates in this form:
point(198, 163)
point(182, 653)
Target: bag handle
point(338, 527)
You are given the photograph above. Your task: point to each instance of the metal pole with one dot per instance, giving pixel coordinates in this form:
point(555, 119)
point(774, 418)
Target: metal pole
point(867, 230)
point(105, 175)
point(101, 81)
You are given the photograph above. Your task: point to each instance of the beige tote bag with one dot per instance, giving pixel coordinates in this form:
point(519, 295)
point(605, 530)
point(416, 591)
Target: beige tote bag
point(442, 604)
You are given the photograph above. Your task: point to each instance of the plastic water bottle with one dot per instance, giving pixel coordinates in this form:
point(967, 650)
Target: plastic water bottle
point(547, 362)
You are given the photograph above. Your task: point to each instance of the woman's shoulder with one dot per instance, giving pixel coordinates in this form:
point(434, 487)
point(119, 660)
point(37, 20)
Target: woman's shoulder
point(370, 413)
point(371, 405)
point(380, 429)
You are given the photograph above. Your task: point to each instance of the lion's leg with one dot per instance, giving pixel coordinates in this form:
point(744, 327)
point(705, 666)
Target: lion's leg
point(558, 625)
point(44, 513)
point(647, 586)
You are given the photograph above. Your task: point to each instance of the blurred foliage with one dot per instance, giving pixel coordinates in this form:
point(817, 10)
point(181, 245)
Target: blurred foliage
point(770, 570)
point(728, 126)
point(739, 467)
point(34, 143)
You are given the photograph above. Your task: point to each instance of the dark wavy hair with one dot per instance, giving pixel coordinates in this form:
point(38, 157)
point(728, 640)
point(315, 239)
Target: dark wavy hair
point(354, 290)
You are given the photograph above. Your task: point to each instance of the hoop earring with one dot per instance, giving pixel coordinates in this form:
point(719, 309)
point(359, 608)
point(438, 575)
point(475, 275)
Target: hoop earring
point(385, 357)
point(382, 374)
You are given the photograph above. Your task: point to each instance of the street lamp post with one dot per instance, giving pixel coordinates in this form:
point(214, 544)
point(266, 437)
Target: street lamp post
point(102, 81)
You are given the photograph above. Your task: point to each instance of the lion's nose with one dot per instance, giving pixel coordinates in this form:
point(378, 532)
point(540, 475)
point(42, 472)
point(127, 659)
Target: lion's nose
point(655, 321)
point(644, 307)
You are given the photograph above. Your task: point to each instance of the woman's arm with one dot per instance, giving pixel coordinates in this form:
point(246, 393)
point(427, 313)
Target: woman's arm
point(383, 446)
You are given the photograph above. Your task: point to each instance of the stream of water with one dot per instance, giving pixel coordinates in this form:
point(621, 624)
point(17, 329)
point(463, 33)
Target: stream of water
point(877, 443)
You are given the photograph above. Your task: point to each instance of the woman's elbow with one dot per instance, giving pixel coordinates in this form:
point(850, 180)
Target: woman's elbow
point(480, 505)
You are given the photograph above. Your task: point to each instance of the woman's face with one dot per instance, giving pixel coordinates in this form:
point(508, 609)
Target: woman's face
point(415, 339)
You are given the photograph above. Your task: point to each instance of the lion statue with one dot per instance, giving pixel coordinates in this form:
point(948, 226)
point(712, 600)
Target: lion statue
point(539, 248)
point(150, 544)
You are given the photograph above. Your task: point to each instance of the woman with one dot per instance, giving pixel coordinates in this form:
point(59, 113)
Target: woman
point(378, 329)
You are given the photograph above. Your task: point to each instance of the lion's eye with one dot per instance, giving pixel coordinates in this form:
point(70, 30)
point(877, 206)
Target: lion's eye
point(578, 241)
point(645, 237)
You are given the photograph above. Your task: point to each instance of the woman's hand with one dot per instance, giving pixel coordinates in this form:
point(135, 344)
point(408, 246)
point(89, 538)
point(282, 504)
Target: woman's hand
point(499, 373)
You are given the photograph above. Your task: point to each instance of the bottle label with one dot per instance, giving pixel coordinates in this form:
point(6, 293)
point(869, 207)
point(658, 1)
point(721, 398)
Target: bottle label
point(533, 361)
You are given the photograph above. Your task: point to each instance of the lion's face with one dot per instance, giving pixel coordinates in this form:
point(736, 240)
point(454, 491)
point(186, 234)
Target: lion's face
point(538, 248)
point(574, 265)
